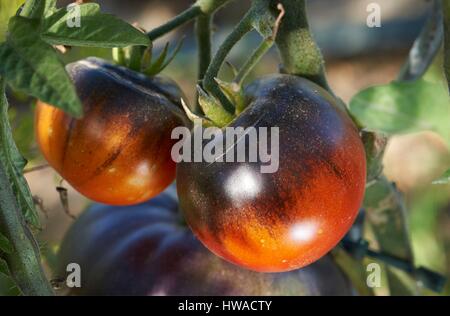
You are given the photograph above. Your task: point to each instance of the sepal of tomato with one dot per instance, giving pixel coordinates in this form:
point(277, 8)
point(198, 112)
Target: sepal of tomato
point(146, 249)
point(287, 219)
point(119, 152)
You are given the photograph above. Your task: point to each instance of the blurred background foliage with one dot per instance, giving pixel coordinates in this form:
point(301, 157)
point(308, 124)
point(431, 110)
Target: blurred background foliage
point(356, 57)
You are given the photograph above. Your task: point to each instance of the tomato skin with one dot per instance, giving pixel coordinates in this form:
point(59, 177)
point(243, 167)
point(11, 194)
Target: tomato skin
point(273, 222)
point(146, 250)
point(119, 152)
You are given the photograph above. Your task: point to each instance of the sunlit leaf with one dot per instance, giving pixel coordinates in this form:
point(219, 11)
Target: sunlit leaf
point(32, 66)
point(7, 9)
point(404, 107)
point(387, 216)
point(93, 28)
point(444, 179)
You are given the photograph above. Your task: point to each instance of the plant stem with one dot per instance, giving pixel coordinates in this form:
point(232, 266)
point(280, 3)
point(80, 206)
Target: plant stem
point(37, 168)
point(24, 261)
point(203, 32)
point(251, 62)
point(446, 12)
point(299, 52)
point(260, 51)
point(425, 47)
point(430, 279)
point(243, 27)
point(206, 7)
point(177, 21)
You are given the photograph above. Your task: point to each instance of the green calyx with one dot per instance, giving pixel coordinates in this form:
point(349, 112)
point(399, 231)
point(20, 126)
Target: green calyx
point(234, 92)
point(214, 112)
point(141, 60)
point(213, 109)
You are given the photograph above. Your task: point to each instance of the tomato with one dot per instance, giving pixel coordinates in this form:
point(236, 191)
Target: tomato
point(146, 249)
point(287, 219)
point(119, 152)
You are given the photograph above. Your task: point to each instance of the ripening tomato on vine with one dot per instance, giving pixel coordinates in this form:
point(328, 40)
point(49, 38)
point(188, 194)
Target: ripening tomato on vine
point(277, 196)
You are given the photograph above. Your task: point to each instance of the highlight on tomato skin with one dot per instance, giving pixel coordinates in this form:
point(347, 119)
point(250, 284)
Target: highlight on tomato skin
point(146, 249)
point(119, 152)
point(274, 222)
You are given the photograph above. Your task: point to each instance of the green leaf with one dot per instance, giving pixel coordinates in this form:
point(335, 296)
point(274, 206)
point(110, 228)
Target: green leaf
point(22, 125)
point(4, 268)
point(404, 107)
point(152, 69)
point(50, 6)
point(444, 179)
point(8, 287)
point(387, 216)
point(234, 93)
point(212, 108)
point(32, 66)
point(354, 269)
point(7, 9)
point(94, 29)
point(5, 245)
point(374, 145)
point(36, 9)
point(14, 163)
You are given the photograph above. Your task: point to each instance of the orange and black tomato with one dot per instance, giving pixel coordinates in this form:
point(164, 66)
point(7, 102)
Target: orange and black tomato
point(119, 152)
point(285, 220)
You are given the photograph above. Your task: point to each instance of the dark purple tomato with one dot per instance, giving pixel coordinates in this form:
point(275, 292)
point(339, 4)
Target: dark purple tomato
point(119, 152)
point(147, 250)
point(287, 219)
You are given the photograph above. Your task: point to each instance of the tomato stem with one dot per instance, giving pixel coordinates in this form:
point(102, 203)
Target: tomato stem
point(299, 52)
point(37, 168)
point(201, 7)
point(243, 27)
point(203, 34)
point(177, 21)
point(260, 51)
